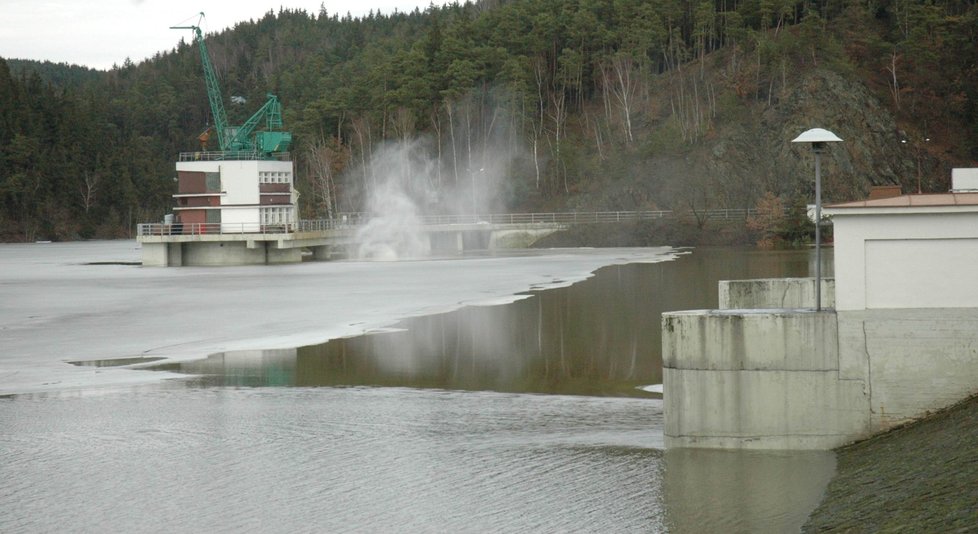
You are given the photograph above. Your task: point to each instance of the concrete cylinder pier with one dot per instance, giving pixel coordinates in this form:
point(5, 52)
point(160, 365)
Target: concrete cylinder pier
point(758, 379)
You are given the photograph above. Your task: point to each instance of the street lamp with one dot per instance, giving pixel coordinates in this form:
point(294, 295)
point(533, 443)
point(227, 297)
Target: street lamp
point(917, 155)
point(818, 137)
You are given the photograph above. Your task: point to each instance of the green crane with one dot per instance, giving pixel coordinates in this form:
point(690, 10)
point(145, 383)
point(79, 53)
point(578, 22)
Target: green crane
point(242, 138)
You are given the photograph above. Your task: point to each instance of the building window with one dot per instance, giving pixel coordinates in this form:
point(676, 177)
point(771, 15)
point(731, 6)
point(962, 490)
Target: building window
point(213, 182)
point(274, 177)
point(277, 215)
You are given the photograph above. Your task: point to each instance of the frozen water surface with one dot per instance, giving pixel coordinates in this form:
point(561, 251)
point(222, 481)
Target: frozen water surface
point(62, 302)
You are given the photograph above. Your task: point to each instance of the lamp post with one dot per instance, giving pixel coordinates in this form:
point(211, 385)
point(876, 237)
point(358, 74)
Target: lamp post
point(917, 156)
point(818, 137)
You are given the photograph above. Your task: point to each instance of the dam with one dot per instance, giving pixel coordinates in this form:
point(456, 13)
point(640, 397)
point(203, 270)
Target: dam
point(175, 245)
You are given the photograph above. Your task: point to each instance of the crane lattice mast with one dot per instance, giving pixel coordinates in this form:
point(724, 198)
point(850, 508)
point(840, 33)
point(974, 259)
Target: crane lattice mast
point(224, 136)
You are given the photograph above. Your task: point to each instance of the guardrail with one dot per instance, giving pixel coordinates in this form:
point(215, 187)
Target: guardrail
point(160, 229)
point(352, 220)
point(358, 218)
point(232, 155)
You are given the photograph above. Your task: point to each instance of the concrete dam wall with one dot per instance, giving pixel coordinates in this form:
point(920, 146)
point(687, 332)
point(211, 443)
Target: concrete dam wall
point(758, 375)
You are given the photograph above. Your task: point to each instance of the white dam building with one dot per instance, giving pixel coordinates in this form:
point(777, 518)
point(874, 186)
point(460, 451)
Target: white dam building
point(770, 372)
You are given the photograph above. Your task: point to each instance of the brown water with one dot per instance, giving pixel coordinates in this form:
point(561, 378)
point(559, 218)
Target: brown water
point(523, 417)
point(597, 337)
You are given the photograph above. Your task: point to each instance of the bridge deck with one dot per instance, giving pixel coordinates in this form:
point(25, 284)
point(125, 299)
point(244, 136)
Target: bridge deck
point(346, 224)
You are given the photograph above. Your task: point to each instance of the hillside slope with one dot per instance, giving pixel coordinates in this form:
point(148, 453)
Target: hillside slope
point(515, 105)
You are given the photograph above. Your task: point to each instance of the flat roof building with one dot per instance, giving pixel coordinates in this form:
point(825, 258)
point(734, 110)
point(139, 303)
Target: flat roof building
point(908, 251)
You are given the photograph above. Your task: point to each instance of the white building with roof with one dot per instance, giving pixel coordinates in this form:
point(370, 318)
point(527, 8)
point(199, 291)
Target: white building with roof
point(235, 196)
point(906, 282)
point(901, 343)
point(907, 251)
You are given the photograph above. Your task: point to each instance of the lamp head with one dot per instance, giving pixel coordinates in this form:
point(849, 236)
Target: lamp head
point(817, 136)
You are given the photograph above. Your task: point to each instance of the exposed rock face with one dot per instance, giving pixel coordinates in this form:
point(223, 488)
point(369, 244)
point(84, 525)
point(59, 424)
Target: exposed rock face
point(747, 150)
point(761, 151)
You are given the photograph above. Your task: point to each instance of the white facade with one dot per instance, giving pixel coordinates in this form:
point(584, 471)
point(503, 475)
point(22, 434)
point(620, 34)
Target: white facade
point(915, 251)
point(964, 180)
point(906, 273)
point(242, 202)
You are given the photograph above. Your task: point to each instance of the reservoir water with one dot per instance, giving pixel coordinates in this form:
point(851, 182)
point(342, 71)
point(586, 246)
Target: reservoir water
point(521, 417)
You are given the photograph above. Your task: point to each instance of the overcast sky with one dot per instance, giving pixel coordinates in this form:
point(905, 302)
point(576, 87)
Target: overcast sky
point(100, 33)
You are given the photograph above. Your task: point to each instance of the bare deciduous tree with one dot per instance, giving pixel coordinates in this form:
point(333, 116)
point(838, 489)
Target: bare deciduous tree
point(620, 77)
point(325, 158)
point(88, 189)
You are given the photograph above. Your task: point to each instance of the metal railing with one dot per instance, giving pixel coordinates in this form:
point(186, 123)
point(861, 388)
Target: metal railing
point(358, 218)
point(232, 155)
point(353, 220)
point(168, 229)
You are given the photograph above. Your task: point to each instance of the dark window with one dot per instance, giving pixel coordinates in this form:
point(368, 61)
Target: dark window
point(213, 182)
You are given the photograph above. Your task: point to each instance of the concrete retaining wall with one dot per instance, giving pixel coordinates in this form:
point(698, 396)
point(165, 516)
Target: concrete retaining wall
point(774, 293)
point(916, 361)
point(758, 379)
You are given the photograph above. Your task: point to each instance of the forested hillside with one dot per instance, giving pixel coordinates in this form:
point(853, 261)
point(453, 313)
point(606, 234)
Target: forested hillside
point(514, 105)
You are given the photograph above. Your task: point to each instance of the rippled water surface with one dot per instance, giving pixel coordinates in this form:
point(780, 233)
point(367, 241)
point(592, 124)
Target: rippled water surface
point(328, 459)
point(516, 418)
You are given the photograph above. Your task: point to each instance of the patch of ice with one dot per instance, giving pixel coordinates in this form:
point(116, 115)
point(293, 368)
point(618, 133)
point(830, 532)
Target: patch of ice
point(54, 308)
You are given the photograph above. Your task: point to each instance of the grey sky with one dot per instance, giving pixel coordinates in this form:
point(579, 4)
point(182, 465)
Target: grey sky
point(101, 33)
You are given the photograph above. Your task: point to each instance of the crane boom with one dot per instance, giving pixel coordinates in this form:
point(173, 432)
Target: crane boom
point(244, 138)
point(267, 141)
point(213, 89)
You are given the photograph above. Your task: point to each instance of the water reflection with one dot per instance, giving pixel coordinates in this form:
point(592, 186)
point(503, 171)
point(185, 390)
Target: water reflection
point(597, 337)
point(743, 491)
point(117, 362)
point(432, 459)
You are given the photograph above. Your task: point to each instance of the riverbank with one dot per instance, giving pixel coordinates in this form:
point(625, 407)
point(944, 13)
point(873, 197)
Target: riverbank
point(917, 478)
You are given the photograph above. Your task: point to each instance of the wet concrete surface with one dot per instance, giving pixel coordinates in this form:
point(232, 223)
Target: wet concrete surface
point(921, 477)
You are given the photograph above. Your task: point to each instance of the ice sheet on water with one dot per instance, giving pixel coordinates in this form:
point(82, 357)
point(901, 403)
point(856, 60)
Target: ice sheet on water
point(652, 388)
point(55, 309)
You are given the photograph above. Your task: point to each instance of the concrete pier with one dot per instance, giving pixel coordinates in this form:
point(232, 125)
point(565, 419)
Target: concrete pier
point(213, 253)
point(777, 378)
point(757, 379)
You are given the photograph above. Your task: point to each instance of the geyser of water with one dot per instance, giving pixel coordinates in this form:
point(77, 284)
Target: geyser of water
point(393, 230)
point(405, 181)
